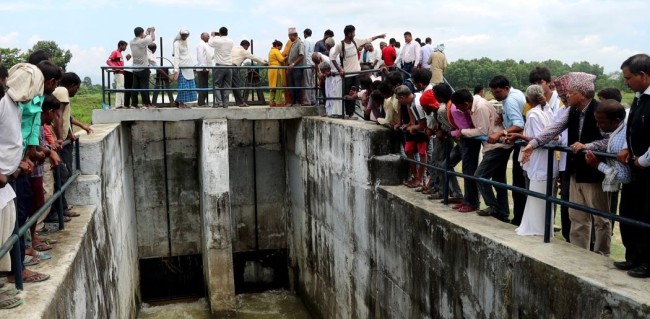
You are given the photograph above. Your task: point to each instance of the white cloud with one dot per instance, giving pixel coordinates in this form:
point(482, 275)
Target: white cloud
point(9, 40)
point(33, 39)
point(87, 61)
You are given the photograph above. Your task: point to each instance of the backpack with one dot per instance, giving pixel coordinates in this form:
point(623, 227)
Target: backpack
point(342, 56)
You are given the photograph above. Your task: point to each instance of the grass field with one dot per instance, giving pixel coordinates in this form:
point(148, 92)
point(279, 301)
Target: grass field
point(83, 106)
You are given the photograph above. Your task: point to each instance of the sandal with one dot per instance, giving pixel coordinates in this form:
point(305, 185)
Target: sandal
point(72, 214)
point(41, 255)
point(428, 191)
point(35, 277)
point(42, 246)
point(8, 292)
point(31, 261)
point(10, 302)
point(49, 241)
point(69, 207)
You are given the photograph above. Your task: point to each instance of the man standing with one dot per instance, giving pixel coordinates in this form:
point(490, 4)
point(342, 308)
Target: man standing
point(310, 81)
point(635, 202)
point(346, 59)
point(222, 77)
point(205, 58)
point(495, 155)
point(239, 54)
point(389, 55)
point(426, 51)
point(117, 61)
point(438, 64)
point(320, 46)
point(585, 181)
point(410, 55)
point(296, 58)
point(139, 46)
point(370, 56)
point(513, 121)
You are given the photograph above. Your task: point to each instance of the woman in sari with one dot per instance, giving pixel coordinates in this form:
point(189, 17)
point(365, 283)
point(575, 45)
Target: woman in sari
point(276, 75)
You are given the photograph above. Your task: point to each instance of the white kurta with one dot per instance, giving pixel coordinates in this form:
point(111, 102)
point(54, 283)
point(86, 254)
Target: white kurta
point(532, 222)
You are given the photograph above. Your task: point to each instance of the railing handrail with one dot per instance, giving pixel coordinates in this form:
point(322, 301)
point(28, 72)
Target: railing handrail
point(549, 196)
point(13, 240)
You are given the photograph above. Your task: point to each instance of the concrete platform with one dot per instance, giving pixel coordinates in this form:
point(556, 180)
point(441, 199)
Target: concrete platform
point(40, 299)
point(263, 112)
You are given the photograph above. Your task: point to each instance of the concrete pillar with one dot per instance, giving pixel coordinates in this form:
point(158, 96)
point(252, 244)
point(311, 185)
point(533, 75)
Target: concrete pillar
point(216, 217)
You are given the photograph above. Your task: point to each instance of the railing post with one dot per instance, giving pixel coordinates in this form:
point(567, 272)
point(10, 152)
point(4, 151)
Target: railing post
point(57, 178)
point(103, 87)
point(548, 220)
point(77, 156)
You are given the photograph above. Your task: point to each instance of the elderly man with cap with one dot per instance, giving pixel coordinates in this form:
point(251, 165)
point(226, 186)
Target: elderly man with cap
point(296, 58)
point(185, 77)
point(585, 181)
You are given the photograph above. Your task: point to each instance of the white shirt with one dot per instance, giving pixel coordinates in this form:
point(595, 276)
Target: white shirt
point(204, 54)
point(426, 51)
point(239, 54)
point(372, 57)
point(182, 57)
point(151, 57)
point(309, 50)
point(411, 53)
point(222, 49)
point(11, 144)
point(536, 167)
point(351, 60)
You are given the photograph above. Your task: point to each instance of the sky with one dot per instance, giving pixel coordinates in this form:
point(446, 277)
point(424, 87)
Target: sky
point(600, 32)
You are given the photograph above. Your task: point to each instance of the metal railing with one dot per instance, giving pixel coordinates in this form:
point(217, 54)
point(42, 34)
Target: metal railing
point(13, 243)
point(548, 196)
point(107, 70)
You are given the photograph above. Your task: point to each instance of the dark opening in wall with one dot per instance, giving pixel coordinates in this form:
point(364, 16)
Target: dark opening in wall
point(262, 270)
point(170, 278)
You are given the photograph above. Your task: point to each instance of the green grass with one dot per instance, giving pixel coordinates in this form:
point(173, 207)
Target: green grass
point(83, 106)
point(617, 250)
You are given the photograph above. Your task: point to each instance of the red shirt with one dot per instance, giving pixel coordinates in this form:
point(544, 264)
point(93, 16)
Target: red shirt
point(389, 55)
point(116, 59)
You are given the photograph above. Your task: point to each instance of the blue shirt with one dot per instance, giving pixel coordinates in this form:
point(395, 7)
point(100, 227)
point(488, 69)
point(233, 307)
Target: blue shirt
point(617, 143)
point(513, 108)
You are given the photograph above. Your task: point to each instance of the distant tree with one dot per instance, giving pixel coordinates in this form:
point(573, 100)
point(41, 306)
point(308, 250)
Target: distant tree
point(10, 57)
point(59, 56)
point(87, 82)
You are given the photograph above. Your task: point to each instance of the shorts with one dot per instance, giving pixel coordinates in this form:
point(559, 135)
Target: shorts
point(409, 147)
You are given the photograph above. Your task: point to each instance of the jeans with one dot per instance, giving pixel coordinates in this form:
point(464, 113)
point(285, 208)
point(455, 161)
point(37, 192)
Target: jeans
point(128, 83)
point(141, 83)
point(237, 82)
point(222, 79)
point(295, 80)
point(469, 150)
point(408, 67)
point(493, 166)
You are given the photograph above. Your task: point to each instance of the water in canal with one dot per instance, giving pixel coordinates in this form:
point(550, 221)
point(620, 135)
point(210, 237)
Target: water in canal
point(276, 304)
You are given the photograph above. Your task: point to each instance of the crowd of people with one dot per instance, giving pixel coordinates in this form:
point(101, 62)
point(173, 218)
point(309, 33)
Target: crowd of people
point(35, 123)
point(563, 111)
point(297, 69)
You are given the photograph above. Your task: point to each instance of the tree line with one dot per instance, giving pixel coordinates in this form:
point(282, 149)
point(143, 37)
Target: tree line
point(469, 73)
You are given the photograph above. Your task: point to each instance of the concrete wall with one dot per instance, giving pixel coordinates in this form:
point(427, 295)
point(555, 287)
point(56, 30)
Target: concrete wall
point(165, 162)
point(265, 162)
point(362, 250)
point(103, 280)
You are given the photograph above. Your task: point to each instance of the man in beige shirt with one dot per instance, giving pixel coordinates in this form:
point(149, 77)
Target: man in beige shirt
point(495, 156)
point(239, 55)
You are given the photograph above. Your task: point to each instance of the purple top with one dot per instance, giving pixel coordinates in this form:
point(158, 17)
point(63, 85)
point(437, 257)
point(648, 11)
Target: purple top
point(463, 120)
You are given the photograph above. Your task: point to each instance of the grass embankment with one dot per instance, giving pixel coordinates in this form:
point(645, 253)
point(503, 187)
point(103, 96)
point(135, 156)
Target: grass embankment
point(83, 106)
